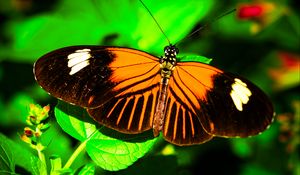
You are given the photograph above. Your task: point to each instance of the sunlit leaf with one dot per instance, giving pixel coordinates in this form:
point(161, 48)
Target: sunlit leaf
point(37, 166)
point(88, 22)
point(107, 148)
point(175, 25)
point(71, 120)
point(36, 35)
point(195, 58)
point(115, 154)
point(55, 162)
point(21, 155)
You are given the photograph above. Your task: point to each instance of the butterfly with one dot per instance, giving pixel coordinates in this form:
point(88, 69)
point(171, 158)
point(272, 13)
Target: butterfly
point(132, 91)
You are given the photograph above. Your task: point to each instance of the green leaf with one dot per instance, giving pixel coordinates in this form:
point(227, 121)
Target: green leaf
point(109, 149)
point(88, 169)
point(21, 154)
point(7, 162)
point(35, 35)
point(115, 154)
point(74, 120)
point(61, 145)
point(194, 58)
point(38, 167)
point(175, 25)
point(56, 166)
point(90, 23)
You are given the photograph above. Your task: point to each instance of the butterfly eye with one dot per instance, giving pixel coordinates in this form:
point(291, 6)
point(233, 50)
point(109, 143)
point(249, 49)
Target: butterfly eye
point(166, 49)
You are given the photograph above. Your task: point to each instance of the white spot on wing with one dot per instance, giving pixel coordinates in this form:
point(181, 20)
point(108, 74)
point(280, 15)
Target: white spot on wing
point(78, 67)
point(78, 60)
point(240, 94)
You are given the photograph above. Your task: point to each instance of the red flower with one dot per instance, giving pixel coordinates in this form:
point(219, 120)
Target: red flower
point(254, 10)
point(250, 11)
point(287, 74)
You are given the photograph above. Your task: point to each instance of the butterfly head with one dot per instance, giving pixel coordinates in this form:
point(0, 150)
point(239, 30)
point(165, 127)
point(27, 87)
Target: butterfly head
point(168, 61)
point(171, 51)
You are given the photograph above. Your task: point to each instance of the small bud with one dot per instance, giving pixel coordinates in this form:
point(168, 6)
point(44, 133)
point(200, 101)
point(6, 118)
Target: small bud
point(46, 108)
point(44, 127)
point(25, 139)
point(38, 114)
point(28, 132)
point(33, 120)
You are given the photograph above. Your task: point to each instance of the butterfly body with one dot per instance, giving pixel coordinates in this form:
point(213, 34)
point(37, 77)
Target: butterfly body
point(167, 65)
point(132, 91)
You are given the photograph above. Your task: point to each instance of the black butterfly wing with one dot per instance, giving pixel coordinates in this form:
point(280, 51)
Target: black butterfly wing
point(111, 82)
point(224, 104)
point(245, 110)
point(88, 76)
point(130, 112)
point(181, 124)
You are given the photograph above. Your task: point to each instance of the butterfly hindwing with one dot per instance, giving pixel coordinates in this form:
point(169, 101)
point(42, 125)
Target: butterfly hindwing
point(130, 113)
point(181, 125)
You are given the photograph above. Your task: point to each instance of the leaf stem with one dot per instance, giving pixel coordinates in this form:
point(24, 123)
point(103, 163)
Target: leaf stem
point(79, 149)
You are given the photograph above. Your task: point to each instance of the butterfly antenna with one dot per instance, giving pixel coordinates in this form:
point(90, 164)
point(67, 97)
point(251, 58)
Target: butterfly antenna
point(205, 25)
point(155, 21)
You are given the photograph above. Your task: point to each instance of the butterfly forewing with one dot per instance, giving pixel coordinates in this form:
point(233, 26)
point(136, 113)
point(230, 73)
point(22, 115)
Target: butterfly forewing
point(75, 74)
point(89, 76)
point(246, 110)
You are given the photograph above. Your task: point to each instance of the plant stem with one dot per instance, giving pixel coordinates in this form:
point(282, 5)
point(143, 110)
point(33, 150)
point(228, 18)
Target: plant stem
point(41, 156)
point(79, 149)
point(43, 160)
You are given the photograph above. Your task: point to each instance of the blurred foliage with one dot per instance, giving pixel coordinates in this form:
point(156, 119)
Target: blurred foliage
point(263, 47)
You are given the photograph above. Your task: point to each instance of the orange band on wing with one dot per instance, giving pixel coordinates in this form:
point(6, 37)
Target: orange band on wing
point(133, 68)
point(191, 82)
